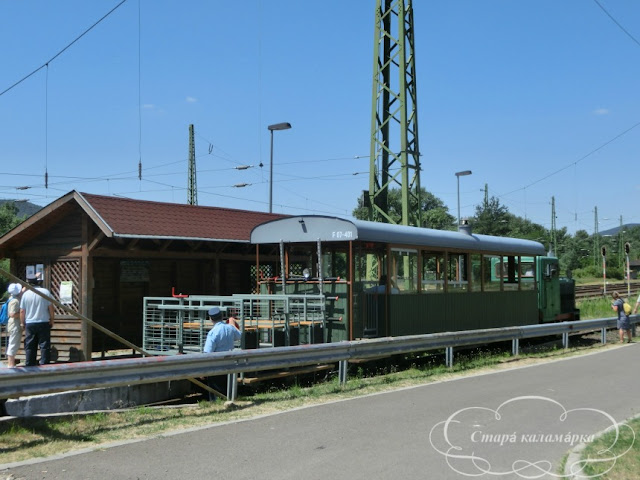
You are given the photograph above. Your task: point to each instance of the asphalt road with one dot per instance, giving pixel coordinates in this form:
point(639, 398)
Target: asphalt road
point(510, 424)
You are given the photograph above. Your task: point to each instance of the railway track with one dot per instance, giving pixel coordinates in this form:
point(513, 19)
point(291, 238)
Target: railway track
point(594, 291)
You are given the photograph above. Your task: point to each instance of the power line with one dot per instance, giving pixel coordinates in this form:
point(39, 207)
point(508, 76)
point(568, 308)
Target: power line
point(584, 157)
point(617, 23)
point(46, 64)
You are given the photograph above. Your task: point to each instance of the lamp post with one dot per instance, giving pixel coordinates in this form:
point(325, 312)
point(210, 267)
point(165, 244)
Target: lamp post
point(275, 126)
point(458, 175)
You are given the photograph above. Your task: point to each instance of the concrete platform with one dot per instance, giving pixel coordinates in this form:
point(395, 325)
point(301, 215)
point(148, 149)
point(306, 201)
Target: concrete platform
point(97, 399)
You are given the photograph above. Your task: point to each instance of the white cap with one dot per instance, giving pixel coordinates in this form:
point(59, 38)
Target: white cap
point(14, 289)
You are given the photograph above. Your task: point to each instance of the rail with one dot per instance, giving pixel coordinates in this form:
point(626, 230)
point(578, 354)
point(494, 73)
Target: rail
point(597, 290)
point(53, 378)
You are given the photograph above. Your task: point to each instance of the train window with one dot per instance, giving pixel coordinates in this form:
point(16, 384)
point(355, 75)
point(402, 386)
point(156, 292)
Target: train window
point(527, 274)
point(457, 273)
point(300, 257)
point(527, 269)
point(476, 272)
point(368, 268)
point(334, 265)
point(509, 270)
point(432, 272)
point(404, 270)
point(492, 273)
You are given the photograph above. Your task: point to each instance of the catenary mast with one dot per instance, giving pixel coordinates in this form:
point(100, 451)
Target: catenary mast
point(395, 156)
point(192, 191)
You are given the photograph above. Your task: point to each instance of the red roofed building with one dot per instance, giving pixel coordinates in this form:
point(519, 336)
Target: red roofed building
point(118, 250)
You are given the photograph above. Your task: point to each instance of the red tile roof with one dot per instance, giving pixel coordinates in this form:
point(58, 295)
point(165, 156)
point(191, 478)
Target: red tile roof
point(127, 217)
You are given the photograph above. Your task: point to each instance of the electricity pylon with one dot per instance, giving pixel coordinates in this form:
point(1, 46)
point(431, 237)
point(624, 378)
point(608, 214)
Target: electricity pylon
point(395, 156)
point(192, 191)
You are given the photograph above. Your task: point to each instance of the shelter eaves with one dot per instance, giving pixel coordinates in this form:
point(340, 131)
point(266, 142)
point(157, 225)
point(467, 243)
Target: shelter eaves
point(119, 217)
point(123, 217)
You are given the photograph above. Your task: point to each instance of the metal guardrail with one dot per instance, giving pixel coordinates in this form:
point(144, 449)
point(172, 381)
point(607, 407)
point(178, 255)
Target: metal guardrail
point(22, 381)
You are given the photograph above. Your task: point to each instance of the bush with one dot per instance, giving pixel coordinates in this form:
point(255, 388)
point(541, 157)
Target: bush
point(615, 273)
point(590, 271)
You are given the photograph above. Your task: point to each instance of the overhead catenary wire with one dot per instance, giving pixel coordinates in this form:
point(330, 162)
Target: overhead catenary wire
point(584, 157)
point(634, 39)
point(46, 64)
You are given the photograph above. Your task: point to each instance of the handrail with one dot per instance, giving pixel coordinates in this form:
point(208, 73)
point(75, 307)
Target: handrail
point(52, 378)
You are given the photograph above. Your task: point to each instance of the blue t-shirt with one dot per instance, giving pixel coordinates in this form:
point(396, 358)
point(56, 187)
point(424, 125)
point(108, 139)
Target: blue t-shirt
point(221, 337)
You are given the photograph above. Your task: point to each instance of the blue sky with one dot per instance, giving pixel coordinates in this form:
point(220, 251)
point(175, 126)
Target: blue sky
point(537, 98)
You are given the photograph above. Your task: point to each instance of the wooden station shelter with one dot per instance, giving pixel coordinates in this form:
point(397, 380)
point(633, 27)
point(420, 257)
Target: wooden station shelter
point(104, 254)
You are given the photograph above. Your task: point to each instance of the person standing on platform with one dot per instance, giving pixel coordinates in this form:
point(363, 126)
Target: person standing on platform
point(220, 338)
point(13, 325)
point(36, 318)
point(624, 323)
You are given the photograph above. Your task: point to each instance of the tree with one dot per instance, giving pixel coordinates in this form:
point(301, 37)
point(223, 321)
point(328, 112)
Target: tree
point(8, 220)
point(524, 228)
point(8, 217)
point(491, 218)
point(436, 214)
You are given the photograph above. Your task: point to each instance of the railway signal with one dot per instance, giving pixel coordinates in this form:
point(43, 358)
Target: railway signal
point(627, 249)
point(604, 269)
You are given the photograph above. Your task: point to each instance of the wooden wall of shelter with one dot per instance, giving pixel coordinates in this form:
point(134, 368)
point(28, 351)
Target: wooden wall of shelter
point(112, 275)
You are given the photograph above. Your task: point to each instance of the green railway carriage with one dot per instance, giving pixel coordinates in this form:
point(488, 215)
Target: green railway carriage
point(432, 280)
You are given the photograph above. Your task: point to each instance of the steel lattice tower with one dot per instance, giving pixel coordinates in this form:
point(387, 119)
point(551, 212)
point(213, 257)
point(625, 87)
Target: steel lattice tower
point(554, 236)
point(192, 191)
point(395, 156)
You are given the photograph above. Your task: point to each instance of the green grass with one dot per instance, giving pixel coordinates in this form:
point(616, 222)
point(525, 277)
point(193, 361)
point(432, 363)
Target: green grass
point(595, 308)
point(588, 280)
point(608, 458)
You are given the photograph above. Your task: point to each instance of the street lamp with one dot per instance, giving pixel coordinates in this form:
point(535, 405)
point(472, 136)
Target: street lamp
point(458, 175)
point(276, 126)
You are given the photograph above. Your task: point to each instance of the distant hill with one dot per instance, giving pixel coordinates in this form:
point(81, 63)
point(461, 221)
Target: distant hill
point(25, 207)
point(615, 230)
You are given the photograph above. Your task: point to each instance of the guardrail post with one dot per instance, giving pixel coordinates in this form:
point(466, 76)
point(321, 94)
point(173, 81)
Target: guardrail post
point(603, 338)
point(448, 353)
point(515, 347)
point(232, 387)
point(342, 372)
point(565, 340)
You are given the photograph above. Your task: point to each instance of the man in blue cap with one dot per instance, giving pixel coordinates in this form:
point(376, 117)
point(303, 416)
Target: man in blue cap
point(220, 339)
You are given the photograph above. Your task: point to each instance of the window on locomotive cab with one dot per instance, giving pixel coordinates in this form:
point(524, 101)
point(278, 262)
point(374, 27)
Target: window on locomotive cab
point(433, 272)
point(527, 273)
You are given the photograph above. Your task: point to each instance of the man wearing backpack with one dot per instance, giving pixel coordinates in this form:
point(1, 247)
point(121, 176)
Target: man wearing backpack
point(624, 323)
point(36, 317)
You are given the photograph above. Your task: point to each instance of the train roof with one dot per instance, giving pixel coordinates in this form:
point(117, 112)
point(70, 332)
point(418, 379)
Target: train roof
point(311, 228)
